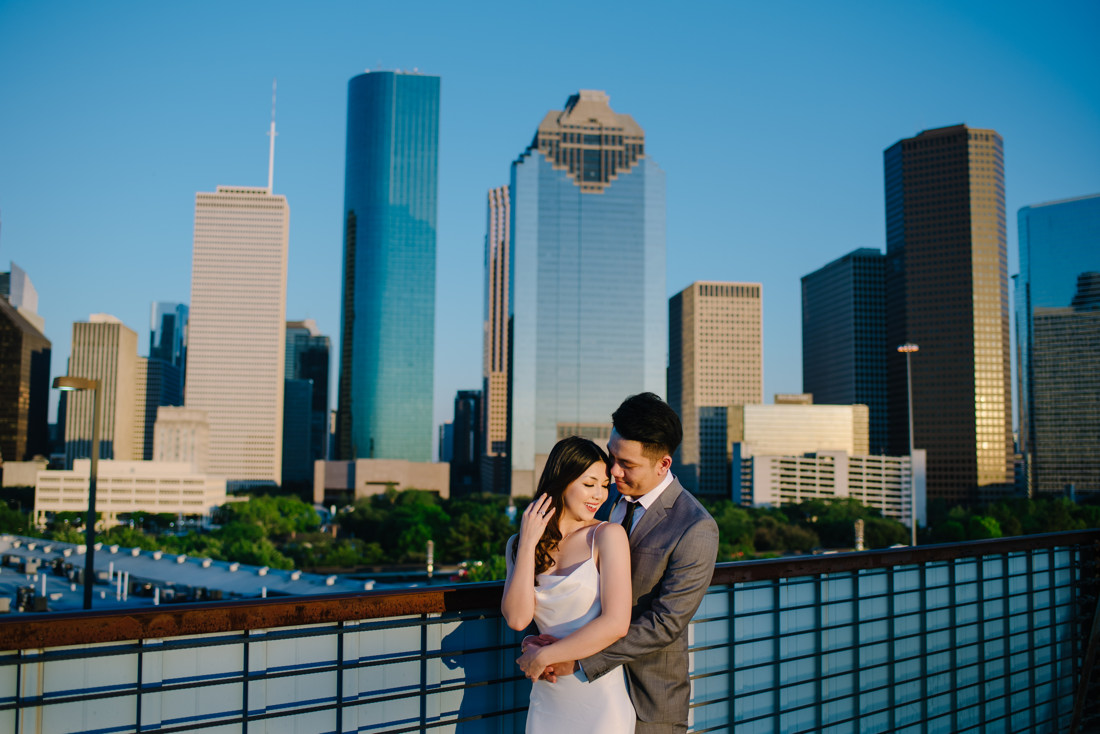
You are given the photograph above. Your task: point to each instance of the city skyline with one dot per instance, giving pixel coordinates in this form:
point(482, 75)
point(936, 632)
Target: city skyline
point(773, 162)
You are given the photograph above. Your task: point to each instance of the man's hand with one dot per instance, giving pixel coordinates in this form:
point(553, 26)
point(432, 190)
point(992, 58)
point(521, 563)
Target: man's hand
point(536, 641)
point(551, 672)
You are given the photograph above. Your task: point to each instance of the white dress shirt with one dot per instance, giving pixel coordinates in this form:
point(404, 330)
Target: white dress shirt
point(618, 512)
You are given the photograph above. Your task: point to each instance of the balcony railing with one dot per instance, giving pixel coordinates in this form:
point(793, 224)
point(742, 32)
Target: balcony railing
point(990, 636)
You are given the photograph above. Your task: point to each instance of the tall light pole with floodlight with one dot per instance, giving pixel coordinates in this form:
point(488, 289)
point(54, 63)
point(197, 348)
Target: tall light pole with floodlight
point(86, 383)
point(907, 349)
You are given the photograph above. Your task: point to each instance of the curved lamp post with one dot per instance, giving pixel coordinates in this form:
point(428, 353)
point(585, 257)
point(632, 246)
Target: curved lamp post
point(86, 383)
point(907, 349)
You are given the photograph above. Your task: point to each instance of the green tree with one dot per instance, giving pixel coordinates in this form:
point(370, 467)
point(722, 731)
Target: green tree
point(12, 520)
point(880, 532)
point(492, 569)
point(951, 531)
point(736, 530)
point(129, 537)
point(402, 523)
point(982, 527)
point(478, 528)
point(278, 516)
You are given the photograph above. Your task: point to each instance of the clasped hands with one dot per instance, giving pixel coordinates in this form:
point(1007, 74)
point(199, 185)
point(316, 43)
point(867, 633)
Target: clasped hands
point(532, 661)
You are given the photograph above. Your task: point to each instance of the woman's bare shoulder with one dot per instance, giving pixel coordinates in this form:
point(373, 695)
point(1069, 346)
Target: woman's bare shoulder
point(611, 534)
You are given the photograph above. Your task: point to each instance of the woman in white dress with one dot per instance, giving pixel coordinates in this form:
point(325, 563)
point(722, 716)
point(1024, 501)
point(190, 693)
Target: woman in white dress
point(571, 574)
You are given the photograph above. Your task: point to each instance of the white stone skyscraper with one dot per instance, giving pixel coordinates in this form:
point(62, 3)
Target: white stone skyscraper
point(103, 349)
point(715, 336)
point(237, 330)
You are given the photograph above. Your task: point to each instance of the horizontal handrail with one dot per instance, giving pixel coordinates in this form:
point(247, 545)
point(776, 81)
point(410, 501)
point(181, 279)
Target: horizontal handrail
point(56, 629)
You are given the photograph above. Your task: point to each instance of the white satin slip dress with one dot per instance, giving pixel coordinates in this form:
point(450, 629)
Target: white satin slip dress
point(564, 604)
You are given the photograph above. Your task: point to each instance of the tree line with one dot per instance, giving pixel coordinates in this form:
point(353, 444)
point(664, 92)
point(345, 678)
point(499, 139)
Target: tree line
point(393, 528)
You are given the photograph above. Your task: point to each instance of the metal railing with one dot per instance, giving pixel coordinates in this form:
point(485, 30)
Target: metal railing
point(990, 636)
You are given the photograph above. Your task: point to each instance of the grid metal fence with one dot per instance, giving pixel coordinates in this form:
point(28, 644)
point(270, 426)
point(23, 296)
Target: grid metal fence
point(974, 637)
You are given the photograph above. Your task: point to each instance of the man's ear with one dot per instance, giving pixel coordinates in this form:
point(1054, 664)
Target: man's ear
point(664, 465)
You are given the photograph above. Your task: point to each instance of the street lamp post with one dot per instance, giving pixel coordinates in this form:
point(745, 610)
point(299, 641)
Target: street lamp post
point(86, 383)
point(908, 348)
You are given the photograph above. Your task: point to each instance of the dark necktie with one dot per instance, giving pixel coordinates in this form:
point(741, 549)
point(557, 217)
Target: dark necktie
point(628, 519)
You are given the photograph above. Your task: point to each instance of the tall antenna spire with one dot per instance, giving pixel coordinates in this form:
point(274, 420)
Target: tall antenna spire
point(271, 133)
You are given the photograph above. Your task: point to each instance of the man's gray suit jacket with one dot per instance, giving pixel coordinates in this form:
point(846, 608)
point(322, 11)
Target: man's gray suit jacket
point(673, 548)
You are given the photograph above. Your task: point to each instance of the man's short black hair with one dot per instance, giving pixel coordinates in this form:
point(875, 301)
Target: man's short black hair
point(647, 419)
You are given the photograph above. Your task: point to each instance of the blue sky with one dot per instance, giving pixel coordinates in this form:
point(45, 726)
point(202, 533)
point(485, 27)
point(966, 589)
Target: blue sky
point(769, 120)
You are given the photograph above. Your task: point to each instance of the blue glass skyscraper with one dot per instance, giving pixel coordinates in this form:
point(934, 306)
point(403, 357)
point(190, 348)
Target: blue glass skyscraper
point(587, 288)
point(1059, 243)
point(388, 309)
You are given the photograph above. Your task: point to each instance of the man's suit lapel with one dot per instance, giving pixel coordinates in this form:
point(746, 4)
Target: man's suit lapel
point(655, 514)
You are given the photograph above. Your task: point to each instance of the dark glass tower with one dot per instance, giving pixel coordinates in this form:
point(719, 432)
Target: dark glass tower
point(388, 312)
point(947, 292)
point(306, 438)
point(24, 386)
point(587, 276)
point(466, 447)
point(1059, 244)
point(844, 337)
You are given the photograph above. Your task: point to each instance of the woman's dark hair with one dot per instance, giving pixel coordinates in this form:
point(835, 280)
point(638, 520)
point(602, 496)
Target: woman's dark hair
point(567, 461)
point(650, 421)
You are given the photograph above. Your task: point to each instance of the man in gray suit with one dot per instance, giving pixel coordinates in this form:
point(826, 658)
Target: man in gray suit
point(673, 547)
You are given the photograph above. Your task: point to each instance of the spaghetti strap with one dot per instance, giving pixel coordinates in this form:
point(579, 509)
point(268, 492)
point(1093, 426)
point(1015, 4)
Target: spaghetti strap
point(592, 539)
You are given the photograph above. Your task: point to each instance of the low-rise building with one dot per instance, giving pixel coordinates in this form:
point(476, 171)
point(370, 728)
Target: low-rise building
point(891, 484)
point(347, 481)
point(128, 486)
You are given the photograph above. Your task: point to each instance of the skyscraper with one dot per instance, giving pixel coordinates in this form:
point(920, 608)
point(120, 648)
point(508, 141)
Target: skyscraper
point(715, 361)
point(947, 291)
point(307, 361)
point(844, 336)
point(387, 343)
point(24, 385)
point(468, 434)
point(1059, 241)
point(496, 470)
point(588, 275)
point(237, 330)
point(168, 334)
point(103, 349)
point(156, 383)
point(1065, 392)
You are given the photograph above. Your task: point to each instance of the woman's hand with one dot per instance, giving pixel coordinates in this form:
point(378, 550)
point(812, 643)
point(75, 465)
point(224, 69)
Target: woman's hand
point(531, 662)
point(533, 522)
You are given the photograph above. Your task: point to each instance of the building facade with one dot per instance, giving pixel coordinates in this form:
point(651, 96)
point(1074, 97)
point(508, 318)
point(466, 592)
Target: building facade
point(466, 443)
point(168, 333)
point(496, 469)
point(844, 336)
point(24, 386)
point(588, 308)
point(156, 383)
point(793, 429)
point(1059, 241)
point(127, 487)
point(344, 482)
point(387, 340)
point(893, 485)
point(103, 349)
point(182, 434)
point(716, 361)
point(307, 358)
point(1065, 393)
point(237, 329)
point(947, 292)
